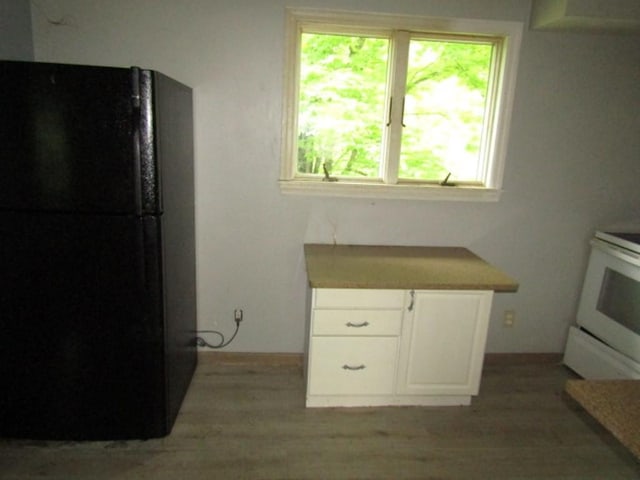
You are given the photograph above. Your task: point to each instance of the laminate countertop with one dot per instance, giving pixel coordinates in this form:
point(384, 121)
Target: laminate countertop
point(398, 267)
point(615, 404)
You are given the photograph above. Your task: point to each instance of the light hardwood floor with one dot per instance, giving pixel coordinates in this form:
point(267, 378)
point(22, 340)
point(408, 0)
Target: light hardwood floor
point(249, 422)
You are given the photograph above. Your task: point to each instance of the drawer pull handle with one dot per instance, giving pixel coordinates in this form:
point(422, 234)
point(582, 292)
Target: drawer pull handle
point(357, 325)
point(349, 367)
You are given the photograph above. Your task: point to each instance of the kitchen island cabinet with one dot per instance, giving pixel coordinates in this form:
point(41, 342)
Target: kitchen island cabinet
point(397, 325)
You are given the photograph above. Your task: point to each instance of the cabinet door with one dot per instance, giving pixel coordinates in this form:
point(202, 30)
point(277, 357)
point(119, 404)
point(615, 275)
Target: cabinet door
point(442, 343)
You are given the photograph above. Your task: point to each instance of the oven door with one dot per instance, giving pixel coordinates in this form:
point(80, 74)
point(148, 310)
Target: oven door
point(610, 302)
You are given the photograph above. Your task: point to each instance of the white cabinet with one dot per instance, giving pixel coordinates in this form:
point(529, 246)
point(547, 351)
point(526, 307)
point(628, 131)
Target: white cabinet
point(353, 347)
point(604, 16)
point(442, 345)
point(395, 347)
point(352, 366)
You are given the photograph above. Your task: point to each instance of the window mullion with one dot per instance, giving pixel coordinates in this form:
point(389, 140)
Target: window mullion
point(397, 84)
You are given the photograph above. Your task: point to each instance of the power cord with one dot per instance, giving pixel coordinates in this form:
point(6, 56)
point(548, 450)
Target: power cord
point(201, 342)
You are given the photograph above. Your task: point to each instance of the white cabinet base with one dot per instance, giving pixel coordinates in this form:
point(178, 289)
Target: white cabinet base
point(387, 400)
point(395, 347)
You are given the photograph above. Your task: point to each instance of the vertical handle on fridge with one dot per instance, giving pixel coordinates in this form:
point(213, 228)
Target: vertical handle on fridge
point(135, 136)
point(146, 161)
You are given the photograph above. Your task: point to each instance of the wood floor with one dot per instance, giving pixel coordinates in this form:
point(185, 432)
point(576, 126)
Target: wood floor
point(249, 422)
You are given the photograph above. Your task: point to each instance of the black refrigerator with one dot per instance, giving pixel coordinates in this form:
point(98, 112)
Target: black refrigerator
point(97, 254)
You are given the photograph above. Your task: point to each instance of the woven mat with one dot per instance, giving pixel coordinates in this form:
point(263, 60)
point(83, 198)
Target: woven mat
point(615, 404)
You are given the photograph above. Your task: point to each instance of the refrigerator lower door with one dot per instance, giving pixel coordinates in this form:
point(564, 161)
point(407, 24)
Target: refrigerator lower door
point(82, 342)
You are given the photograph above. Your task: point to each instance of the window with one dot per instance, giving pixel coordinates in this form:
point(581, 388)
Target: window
point(393, 106)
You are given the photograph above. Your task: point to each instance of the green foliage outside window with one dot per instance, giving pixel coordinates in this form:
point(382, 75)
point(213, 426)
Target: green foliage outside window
point(343, 106)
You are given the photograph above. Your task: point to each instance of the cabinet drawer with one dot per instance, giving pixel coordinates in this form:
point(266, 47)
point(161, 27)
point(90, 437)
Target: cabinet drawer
point(358, 298)
point(357, 322)
point(352, 366)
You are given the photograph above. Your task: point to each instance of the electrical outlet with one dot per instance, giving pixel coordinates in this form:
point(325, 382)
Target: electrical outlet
point(237, 315)
point(509, 318)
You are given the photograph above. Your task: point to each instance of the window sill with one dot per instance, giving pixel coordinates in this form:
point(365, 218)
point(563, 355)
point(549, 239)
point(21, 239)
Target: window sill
point(383, 191)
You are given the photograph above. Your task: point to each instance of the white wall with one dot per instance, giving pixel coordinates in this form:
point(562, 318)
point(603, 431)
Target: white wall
point(573, 161)
point(15, 30)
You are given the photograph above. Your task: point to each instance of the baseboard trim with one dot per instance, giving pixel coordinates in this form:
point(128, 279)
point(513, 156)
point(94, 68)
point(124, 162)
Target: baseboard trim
point(297, 359)
point(252, 359)
point(521, 358)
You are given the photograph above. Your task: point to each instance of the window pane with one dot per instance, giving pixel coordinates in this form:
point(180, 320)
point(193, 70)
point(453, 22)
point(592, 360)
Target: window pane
point(620, 299)
point(446, 94)
point(341, 104)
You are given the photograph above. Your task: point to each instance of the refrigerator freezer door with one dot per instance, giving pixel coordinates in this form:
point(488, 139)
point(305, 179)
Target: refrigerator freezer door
point(69, 139)
point(82, 354)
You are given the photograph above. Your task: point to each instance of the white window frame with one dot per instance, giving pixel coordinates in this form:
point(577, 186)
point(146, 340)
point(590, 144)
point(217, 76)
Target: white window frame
point(300, 19)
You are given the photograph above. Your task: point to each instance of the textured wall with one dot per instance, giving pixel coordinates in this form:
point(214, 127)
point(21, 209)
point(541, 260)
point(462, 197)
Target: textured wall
point(573, 160)
point(15, 30)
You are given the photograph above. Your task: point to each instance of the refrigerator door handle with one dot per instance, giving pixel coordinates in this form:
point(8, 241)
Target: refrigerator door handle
point(147, 161)
point(136, 138)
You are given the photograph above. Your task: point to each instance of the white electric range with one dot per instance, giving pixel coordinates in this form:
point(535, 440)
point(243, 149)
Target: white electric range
point(605, 343)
